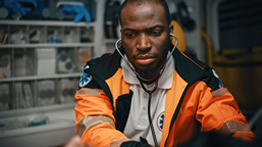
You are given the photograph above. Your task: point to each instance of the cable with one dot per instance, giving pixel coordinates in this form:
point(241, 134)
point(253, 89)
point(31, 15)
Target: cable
point(149, 104)
point(150, 121)
point(141, 80)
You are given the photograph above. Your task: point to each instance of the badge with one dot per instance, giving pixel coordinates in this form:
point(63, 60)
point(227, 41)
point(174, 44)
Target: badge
point(160, 121)
point(85, 79)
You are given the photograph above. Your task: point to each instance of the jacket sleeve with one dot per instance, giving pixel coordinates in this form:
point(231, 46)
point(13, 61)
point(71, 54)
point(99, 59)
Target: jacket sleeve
point(218, 111)
point(94, 118)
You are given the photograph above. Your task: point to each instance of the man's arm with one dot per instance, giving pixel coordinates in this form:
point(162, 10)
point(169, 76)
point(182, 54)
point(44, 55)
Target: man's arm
point(95, 120)
point(218, 111)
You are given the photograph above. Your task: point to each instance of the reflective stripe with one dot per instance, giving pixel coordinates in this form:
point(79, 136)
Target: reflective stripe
point(232, 126)
point(219, 92)
point(88, 91)
point(90, 121)
point(119, 142)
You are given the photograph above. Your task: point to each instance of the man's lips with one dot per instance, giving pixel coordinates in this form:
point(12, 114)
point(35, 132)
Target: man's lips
point(144, 60)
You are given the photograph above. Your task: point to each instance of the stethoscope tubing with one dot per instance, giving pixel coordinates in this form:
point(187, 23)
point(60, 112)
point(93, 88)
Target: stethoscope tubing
point(142, 80)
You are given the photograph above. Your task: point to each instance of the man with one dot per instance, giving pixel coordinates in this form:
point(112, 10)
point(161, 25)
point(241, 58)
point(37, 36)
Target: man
point(148, 93)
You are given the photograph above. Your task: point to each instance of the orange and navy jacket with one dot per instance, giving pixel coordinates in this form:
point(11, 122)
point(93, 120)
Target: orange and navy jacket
point(196, 97)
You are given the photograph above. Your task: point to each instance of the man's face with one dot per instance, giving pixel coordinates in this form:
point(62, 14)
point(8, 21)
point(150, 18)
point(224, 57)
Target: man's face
point(145, 37)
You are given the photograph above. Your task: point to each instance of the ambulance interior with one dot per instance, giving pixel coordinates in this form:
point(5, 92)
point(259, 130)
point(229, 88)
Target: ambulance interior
point(226, 34)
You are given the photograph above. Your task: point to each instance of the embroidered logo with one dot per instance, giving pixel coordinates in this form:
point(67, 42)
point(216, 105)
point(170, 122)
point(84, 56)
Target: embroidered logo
point(181, 111)
point(85, 79)
point(160, 121)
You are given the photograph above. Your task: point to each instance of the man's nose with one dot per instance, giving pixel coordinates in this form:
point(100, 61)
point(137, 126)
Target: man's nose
point(143, 42)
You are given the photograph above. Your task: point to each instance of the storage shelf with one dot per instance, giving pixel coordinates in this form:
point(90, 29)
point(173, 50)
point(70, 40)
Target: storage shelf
point(58, 130)
point(88, 43)
point(47, 45)
point(39, 109)
point(111, 41)
point(46, 23)
point(39, 77)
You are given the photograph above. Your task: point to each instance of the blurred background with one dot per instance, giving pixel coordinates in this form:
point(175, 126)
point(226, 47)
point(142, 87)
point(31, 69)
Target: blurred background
point(44, 45)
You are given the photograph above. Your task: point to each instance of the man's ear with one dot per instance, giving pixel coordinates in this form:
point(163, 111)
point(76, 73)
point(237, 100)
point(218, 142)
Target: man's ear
point(178, 31)
point(171, 28)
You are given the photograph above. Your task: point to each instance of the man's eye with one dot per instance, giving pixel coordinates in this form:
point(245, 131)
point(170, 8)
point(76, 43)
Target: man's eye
point(155, 33)
point(129, 35)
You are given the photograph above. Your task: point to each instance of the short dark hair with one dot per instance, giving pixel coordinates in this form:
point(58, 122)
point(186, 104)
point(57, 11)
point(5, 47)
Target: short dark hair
point(140, 2)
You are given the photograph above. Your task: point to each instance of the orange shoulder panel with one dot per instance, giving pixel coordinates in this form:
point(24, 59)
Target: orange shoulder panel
point(117, 85)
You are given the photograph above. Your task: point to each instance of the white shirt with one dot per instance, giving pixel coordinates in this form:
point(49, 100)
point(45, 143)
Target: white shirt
point(137, 123)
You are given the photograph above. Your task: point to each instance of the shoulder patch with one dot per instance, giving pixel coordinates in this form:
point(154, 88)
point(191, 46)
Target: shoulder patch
point(85, 79)
point(220, 83)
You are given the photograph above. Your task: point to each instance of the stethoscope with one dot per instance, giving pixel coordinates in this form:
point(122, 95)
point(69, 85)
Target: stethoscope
point(142, 81)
